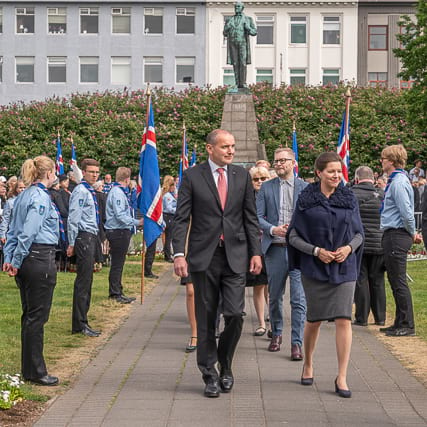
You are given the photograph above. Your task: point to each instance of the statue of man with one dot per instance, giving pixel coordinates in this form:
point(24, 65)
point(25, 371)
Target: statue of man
point(237, 29)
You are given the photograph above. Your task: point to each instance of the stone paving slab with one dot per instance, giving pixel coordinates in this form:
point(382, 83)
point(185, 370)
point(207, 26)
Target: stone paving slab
point(143, 377)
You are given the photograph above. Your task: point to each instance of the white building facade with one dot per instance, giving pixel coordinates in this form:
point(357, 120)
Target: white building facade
point(298, 42)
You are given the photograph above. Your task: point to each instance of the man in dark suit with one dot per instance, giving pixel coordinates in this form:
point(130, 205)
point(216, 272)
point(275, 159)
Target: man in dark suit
point(223, 242)
point(276, 201)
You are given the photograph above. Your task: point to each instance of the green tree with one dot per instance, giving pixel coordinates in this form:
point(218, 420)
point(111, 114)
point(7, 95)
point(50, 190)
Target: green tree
point(413, 55)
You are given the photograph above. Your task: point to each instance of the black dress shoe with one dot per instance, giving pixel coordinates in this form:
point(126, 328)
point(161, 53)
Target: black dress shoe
point(357, 323)
point(401, 332)
point(226, 382)
point(212, 388)
point(388, 328)
point(121, 299)
point(151, 276)
point(47, 380)
point(381, 323)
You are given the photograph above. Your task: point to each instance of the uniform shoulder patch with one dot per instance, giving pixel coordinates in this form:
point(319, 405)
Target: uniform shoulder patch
point(118, 202)
point(81, 202)
point(42, 209)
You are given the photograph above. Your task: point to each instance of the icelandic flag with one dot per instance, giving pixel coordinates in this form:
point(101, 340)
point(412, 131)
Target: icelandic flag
point(295, 150)
point(150, 193)
point(59, 161)
point(344, 141)
point(183, 162)
point(78, 175)
point(193, 159)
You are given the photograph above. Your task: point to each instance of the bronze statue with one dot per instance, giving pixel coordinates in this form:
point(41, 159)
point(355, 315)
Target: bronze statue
point(237, 29)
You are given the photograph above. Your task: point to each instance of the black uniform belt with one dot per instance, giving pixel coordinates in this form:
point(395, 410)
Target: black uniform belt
point(280, 245)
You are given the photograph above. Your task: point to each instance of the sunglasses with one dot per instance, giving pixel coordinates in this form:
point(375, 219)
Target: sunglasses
point(262, 178)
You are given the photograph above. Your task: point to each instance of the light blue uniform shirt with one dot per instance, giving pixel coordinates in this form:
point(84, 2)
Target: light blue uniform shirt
point(118, 211)
point(6, 217)
point(81, 214)
point(34, 220)
point(169, 203)
point(398, 211)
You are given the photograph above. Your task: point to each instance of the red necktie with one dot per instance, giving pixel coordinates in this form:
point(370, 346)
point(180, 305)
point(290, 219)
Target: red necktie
point(222, 187)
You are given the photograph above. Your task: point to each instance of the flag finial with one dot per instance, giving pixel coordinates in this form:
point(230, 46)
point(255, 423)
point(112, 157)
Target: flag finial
point(183, 124)
point(148, 91)
point(294, 128)
point(348, 92)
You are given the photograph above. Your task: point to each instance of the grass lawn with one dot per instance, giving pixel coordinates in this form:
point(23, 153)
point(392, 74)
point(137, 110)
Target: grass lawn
point(59, 342)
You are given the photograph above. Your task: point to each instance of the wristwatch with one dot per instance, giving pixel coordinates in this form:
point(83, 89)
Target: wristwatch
point(316, 251)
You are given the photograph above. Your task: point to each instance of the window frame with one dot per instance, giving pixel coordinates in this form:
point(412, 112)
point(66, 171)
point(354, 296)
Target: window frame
point(128, 63)
point(386, 37)
point(121, 14)
point(330, 75)
point(48, 63)
point(80, 69)
point(90, 9)
point(331, 22)
point(271, 74)
point(188, 11)
point(228, 72)
point(291, 24)
point(16, 70)
point(297, 76)
point(183, 58)
point(1, 19)
point(1, 68)
point(153, 9)
point(56, 14)
point(267, 23)
point(159, 60)
point(378, 82)
point(25, 14)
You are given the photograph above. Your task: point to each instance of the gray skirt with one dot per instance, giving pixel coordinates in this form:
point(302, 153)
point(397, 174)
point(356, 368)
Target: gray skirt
point(326, 301)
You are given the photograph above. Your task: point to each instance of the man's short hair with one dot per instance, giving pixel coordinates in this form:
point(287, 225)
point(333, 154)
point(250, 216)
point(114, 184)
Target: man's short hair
point(89, 162)
point(213, 136)
point(122, 173)
point(286, 150)
point(396, 154)
point(364, 172)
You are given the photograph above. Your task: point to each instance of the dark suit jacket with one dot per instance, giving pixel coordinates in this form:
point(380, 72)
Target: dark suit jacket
point(268, 207)
point(198, 200)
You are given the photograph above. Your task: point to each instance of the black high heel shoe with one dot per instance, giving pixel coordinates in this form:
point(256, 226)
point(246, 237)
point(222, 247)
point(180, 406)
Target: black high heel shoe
point(306, 381)
point(341, 392)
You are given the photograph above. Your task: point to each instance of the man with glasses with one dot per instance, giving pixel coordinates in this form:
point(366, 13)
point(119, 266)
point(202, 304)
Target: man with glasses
point(83, 225)
point(275, 205)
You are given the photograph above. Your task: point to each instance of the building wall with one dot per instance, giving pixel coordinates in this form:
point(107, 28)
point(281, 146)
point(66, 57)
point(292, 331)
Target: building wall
point(105, 45)
point(282, 55)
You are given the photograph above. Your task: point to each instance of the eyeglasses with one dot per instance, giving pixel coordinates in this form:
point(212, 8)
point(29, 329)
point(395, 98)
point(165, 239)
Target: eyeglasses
point(282, 161)
point(261, 178)
point(383, 158)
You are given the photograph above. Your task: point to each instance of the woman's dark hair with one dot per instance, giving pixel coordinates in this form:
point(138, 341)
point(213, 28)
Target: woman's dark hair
point(325, 158)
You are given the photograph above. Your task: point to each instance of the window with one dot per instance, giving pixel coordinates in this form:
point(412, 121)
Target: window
point(89, 69)
point(1, 69)
point(298, 29)
point(24, 69)
point(265, 27)
point(153, 20)
point(89, 20)
point(377, 37)
point(120, 20)
point(331, 30)
point(404, 84)
point(57, 69)
point(1, 20)
point(185, 70)
point(377, 79)
point(185, 20)
point(56, 20)
point(265, 75)
point(25, 20)
point(120, 70)
point(153, 70)
point(297, 76)
point(228, 78)
point(331, 76)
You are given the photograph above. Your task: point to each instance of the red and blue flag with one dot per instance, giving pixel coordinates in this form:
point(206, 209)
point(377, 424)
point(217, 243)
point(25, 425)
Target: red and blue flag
point(59, 161)
point(295, 150)
point(344, 141)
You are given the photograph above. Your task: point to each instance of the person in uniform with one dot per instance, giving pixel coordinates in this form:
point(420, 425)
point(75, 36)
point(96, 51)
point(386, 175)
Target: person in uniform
point(30, 257)
point(119, 226)
point(83, 225)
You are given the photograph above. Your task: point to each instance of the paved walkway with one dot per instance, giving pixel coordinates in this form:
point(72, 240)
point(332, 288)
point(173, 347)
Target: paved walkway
point(142, 377)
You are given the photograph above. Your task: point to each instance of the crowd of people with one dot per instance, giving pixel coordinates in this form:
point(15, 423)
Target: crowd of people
point(227, 229)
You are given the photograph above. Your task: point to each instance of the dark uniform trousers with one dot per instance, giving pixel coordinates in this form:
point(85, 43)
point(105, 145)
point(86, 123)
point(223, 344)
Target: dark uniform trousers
point(168, 218)
point(84, 249)
point(218, 280)
point(370, 289)
point(150, 254)
point(396, 244)
point(119, 244)
point(36, 281)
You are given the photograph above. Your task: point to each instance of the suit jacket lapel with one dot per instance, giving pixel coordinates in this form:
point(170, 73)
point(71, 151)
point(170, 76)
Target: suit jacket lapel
point(276, 193)
point(207, 175)
point(231, 177)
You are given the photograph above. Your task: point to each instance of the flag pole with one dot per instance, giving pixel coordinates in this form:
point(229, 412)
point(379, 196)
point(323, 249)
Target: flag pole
point(147, 118)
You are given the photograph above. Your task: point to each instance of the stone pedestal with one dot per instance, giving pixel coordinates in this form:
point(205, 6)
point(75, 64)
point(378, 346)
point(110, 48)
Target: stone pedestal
point(239, 118)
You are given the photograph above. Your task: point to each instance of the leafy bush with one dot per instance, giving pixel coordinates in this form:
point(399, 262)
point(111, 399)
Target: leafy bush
point(108, 126)
point(10, 392)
